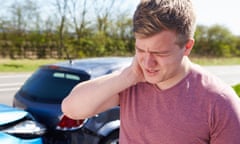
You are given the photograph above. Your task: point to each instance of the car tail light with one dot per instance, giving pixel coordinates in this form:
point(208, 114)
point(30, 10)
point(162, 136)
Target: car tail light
point(67, 124)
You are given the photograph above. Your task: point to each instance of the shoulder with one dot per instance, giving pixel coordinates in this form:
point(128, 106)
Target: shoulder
point(222, 101)
point(207, 80)
point(210, 86)
point(213, 89)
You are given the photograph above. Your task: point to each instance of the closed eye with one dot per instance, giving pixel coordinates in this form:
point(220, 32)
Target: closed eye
point(156, 53)
point(139, 50)
point(162, 54)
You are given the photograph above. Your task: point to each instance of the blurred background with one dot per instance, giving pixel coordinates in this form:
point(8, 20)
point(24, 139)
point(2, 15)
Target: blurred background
point(60, 29)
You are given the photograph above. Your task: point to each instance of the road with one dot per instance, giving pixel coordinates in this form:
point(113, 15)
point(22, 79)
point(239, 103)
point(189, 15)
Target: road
point(229, 74)
point(11, 82)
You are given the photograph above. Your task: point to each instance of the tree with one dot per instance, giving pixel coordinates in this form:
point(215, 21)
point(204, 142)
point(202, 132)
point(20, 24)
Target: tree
point(221, 41)
point(24, 17)
point(214, 41)
point(62, 8)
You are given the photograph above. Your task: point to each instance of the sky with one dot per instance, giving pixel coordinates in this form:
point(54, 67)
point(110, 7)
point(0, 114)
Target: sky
point(210, 12)
point(223, 12)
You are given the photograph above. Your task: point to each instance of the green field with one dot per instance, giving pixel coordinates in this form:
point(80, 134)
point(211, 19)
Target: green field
point(29, 65)
point(216, 61)
point(237, 89)
point(24, 65)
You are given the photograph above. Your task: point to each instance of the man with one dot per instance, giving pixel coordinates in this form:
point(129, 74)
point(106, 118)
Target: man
point(164, 98)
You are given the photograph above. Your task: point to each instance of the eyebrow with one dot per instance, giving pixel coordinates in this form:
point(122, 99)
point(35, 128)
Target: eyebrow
point(153, 52)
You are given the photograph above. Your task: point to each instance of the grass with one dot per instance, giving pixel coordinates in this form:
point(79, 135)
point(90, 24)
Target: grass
point(216, 61)
point(28, 65)
point(23, 65)
point(237, 89)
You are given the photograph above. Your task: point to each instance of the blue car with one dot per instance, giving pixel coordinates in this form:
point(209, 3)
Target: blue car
point(19, 127)
point(43, 92)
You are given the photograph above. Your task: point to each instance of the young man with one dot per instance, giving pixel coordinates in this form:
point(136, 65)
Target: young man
point(164, 98)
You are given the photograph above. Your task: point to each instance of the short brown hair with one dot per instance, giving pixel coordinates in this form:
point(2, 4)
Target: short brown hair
point(154, 16)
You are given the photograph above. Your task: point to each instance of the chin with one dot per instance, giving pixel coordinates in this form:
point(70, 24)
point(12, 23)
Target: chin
point(152, 81)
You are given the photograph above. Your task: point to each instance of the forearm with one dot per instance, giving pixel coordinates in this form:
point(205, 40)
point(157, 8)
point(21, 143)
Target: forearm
point(94, 96)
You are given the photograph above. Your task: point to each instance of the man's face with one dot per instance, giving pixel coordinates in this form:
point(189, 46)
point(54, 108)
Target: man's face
point(160, 58)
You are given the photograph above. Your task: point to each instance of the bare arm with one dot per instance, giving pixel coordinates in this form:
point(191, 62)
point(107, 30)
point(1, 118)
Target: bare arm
point(95, 96)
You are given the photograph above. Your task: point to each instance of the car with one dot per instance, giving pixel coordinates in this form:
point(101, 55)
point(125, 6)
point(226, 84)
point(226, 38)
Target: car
point(43, 92)
point(19, 127)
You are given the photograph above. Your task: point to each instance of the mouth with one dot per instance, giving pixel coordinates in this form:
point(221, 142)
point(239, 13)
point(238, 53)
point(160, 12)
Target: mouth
point(151, 72)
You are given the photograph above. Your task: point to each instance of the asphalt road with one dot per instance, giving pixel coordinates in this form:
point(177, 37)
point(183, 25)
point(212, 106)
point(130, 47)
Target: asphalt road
point(11, 82)
point(229, 74)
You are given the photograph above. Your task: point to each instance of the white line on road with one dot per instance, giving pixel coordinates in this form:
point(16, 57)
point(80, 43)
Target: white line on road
point(14, 76)
point(10, 84)
point(9, 89)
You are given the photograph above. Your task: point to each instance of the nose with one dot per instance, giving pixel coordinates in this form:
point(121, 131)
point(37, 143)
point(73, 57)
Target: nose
point(149, 60)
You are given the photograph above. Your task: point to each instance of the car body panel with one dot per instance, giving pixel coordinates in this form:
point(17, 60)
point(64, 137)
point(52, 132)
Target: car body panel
point(104, 122)
point(49, 113)
point(98, 66)
point(9, 114)
point(108, 127)
point(8, 139)
point(9, 117)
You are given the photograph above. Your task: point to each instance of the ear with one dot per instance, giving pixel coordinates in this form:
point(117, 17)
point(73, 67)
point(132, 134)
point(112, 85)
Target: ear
point(188, 47)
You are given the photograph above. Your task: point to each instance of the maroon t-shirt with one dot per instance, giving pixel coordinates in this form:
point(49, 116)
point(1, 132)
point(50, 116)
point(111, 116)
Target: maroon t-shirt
point(200, 109)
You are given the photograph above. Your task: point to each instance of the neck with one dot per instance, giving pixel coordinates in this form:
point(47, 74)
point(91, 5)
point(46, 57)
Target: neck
point(182, 72)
